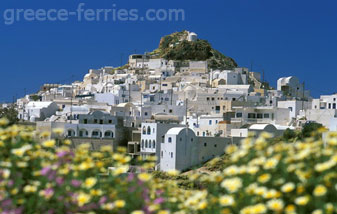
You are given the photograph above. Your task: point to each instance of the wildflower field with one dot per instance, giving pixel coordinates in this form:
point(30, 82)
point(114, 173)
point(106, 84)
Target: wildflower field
point(258, 177)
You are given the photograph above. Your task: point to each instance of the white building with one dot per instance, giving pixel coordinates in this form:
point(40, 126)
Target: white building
point(152, 137)
point(292, 87)
point(38, 111)
point(182, 149)
point(294, 106)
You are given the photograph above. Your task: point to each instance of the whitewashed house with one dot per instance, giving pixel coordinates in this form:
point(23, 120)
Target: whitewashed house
point(182, 149)
point(39, 111)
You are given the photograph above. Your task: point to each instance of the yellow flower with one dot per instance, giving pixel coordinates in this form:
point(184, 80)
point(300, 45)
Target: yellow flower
point(58, 131)
point(290, 209)
point(95, 192)
point(271, 163)
point(138, 212)
point(14, 191)
point(252, 170)
point(275, 204)
point(90, 182)
point(231, 170)
point(30, 189)
point(163, 212)
point(120, 203)
point(49, 143)
point(6, 173)
point(67, 142)
point(21, 151)
point(106, 149)
point(202, 205)
point(264, 178)
point(320, 190)
point(120, 170)
point(173, 172)
point(231, 149)
point(83, 198)
point(232, 184)
point(271, 194)
point(45, 134)
point(226, 200)
point(260, 191)
point(4, 122)
point(317, 212)
point(288, 187)
point(144, 177)
point(302, 201)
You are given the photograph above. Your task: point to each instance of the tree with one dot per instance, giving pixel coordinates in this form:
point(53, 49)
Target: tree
point(289, 134)
point(310, 128)
point(10, 113)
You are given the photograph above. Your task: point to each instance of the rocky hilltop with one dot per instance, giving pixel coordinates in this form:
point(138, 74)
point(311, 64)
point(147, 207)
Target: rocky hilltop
point(178, 46)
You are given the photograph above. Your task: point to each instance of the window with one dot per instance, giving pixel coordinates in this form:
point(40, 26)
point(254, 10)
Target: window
point(329, 105)
point(205, 144)
point(144, 130)
point(251, 115)
point(171, 154)
point(266, 115)
point(191, 139)
point(150, 144)
point(145, 113)
point(259, 116)
point(154, 144)
point(148, 130)
point(212, 98)
point(110, 121)
point(207, 98)
point(180, 139)
point(95, 121)
point(170, 139)
point(216, 121)
point(334, 106)
point(143, 144)
point(290, 108)
point(170, 110)
point(210, 122)
point(85, 121)
point(100, 121)
point(238, 115)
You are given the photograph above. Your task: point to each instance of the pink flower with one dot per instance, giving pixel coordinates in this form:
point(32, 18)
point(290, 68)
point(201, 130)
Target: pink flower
point(45, 170)
point(75, 183)
point(59, 181)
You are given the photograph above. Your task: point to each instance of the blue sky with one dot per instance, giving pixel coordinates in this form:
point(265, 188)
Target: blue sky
point(281, 37)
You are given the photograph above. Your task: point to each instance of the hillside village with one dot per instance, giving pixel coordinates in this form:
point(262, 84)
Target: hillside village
point(183, 103)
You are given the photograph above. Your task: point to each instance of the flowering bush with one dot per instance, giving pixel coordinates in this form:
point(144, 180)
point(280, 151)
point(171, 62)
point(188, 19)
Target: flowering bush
point(258, 177)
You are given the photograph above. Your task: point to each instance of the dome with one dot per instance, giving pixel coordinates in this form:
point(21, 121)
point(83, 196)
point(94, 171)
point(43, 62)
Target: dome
point(190, 92)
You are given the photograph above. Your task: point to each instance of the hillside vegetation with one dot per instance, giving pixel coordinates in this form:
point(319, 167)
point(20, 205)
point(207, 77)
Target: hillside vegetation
point(176, 47)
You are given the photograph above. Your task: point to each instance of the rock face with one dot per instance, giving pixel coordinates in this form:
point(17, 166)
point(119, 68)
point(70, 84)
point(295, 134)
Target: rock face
point(177, 47)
